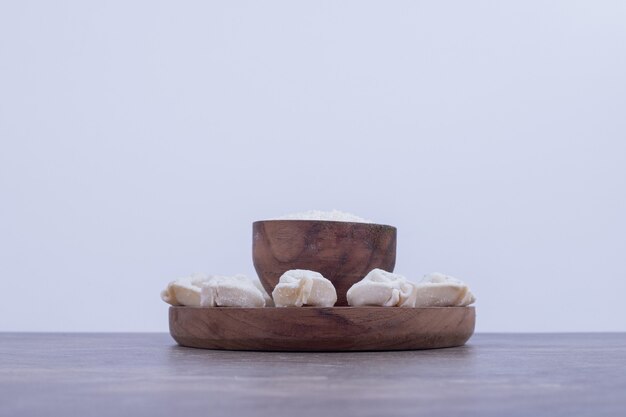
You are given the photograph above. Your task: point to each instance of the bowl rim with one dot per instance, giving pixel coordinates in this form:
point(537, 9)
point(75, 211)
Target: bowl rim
point(325, 221)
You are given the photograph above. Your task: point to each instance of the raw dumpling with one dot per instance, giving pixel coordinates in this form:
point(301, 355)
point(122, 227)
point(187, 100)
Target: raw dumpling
point(237, 291)
point(213, 291)
point(184, 291)
point(382, 288)
point(439, 290)
point(299, 287)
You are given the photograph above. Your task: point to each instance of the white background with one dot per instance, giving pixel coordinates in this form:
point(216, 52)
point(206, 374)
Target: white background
point(139, 140)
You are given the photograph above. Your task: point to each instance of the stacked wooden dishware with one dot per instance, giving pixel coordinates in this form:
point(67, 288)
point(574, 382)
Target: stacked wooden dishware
point(343, 252)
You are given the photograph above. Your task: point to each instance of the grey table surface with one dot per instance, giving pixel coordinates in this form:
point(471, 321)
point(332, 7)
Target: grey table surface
point(148, 375)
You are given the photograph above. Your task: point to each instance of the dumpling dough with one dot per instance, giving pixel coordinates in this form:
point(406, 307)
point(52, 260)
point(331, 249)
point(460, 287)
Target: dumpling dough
point(184, 291)
point(382, 288)
point(439, 290)
point(237, 291)
point(298, 287)
point(201, 290)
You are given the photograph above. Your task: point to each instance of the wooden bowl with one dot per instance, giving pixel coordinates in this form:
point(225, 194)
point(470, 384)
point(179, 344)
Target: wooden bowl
point(343, 252)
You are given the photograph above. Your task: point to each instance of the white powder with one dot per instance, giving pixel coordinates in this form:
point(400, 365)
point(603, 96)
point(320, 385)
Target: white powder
point(335, 216)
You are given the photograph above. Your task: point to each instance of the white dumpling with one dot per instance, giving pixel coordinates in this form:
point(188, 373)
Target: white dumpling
point(201, 290)
point(298, 287)
point(439, 290)
point(237, 291)
point(184, 291)
point(382, 288)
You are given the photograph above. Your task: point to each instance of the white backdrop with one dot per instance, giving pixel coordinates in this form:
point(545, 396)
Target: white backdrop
point(139, 140)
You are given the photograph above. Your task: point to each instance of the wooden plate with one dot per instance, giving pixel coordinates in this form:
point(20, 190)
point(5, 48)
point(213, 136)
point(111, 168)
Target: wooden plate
point(321, 329)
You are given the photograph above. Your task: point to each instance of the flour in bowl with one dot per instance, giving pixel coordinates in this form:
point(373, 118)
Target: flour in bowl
point(334, 215)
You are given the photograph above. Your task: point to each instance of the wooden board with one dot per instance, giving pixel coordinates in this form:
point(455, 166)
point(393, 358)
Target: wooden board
point(321, 329)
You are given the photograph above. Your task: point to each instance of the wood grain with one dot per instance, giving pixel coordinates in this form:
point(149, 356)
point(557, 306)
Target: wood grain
point(321, 329)
point(343, 252)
